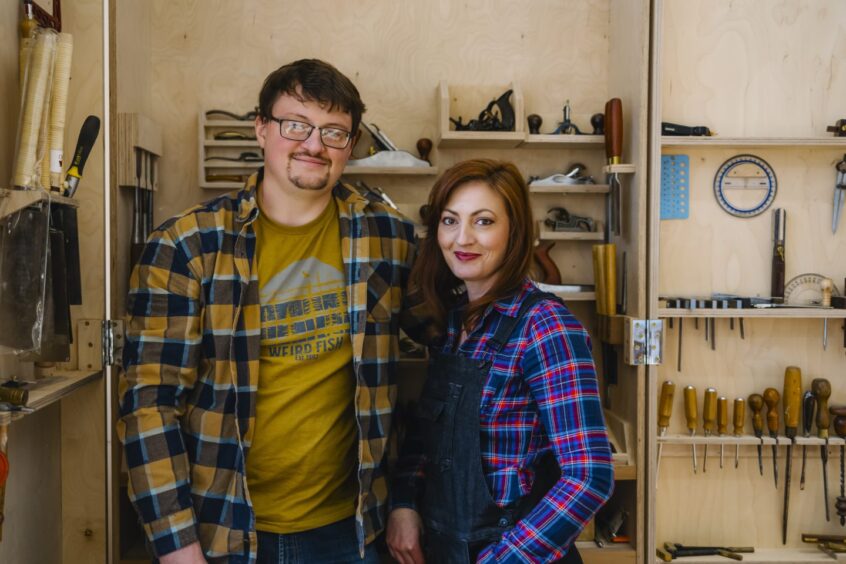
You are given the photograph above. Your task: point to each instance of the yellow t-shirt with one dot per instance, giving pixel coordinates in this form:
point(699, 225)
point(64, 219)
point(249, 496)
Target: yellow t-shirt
point(301, 465)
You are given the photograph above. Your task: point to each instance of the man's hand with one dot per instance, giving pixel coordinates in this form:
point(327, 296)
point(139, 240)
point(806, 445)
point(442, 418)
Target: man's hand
point(191, 554)
point(403, 538)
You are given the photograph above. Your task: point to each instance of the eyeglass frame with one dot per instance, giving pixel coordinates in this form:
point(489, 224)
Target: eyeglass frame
point(311, 130)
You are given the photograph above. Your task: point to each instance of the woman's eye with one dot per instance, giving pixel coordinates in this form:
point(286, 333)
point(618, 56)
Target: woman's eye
point(485, 221)
point(448, 221)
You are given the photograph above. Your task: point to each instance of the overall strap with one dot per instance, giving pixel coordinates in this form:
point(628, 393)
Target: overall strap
point(508, 325)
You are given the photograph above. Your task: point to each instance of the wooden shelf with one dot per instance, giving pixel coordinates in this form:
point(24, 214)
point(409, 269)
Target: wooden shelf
point(745, 440)
point(673, 141)
point(480, 139)
point(571, 189)
point(231, 143)
point(549, 141)
point(391, 170)
point(612, 554)
point(12, 201)
point(766, 556)
point(231, 164)
point(51, 389)
point(221, 185)
point(544, 234)
point(228, 123)
point(774, 313)
point(622, 168)
point(625, 472)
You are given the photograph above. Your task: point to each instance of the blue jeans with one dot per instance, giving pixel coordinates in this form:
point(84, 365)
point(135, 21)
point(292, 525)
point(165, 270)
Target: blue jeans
point(331, 544)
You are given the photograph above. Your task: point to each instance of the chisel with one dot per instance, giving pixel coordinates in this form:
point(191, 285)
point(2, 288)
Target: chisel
point(840, 428)
point(137, 242)
point(778, 261)
point(709, 419)
point(771, 397)
point(722, 423)
point(756, 404)
point(822, 391)
point(614, 152)
point(690, 414)
point(808, 405)
point(739, 418)
point(792, 404)
point(665, 411)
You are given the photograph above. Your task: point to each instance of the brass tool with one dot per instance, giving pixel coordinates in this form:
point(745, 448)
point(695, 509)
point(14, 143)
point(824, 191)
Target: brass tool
point(840, 428)
point(722, 423)
point(665, 411)
point(809, 403)
point(739, 417)
point(756, 404)
point(771, 398)
point(709, 419)
point(792, 404)
point(822, 391)
point(690, 414)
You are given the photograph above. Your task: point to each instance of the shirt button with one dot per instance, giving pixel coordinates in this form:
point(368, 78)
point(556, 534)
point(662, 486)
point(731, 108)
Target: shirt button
point(503, 522)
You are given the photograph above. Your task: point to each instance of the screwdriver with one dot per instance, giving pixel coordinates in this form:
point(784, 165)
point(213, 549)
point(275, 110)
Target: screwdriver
point(756, 404)
point(665, 411)
point(722, 423)
point(809, 403)
point(739, 417)
point(771, 398)
point(709, 419)
point(690, 414)
point(792, 403)
point(840, 428)
point(822, 391)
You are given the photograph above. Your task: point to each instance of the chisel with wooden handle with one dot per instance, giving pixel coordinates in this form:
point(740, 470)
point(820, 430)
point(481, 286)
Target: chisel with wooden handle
point(808, 405)
point(756, 404)
point(614, 152)
point(739, 418)
point(792, 403)
point(822, 391)
point(709, 419)
point(691, 415)
point(665, 411)
point(722, 423)
point(771, 397)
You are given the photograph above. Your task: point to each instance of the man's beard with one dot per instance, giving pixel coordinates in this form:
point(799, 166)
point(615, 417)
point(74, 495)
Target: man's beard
point(309, 182)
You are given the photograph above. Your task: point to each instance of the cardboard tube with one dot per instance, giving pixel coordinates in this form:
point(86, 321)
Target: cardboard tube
point(38, 77)
point(58, 106)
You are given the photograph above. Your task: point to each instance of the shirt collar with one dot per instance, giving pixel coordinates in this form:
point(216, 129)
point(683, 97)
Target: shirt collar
point(510, 305)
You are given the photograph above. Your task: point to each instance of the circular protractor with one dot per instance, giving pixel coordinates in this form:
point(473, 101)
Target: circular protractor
point(806, 289)
point(745, 185)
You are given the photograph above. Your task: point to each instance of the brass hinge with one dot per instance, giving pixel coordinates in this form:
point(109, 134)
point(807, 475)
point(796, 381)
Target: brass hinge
point(644, 341)
point(112, 341)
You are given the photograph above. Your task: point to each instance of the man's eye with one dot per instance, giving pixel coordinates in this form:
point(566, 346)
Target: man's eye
point(335, 134)
point(296, 127)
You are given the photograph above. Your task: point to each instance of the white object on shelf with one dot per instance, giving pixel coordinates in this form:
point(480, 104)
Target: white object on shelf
point(389, 159)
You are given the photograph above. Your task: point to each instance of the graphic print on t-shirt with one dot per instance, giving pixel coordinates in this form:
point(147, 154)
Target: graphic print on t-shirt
point(304, 311)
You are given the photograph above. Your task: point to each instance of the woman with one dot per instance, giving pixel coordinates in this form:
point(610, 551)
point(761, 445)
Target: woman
point(510, 457)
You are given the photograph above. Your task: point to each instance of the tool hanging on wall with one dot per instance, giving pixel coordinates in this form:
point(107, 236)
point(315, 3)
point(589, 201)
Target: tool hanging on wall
point(778, 262)
point(821, 389)
point(722, 423)
point(756, 404)
point(690, 415)
point(745, 185)
point(613, 153)
point(839, 128)
point(709, 419)
point(792, 403)
point(137, 242)
point(839, 414)
point(675, 186)
point(87, 137)
point(839, 192)
point(665, 412)
point(675, 129)
point(771, 397)
point(739, 418)
point(809, 404)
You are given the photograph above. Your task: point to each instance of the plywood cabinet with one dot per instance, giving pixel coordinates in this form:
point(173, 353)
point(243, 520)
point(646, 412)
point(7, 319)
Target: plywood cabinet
point(768, 79)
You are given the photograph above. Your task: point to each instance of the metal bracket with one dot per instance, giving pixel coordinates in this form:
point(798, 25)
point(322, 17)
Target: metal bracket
point(112, 340)
point(644, 341)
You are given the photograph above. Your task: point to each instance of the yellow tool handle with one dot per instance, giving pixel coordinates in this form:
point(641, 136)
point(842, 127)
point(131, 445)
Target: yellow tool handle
point(599, 278)
point(771, 398)
point(690, 410)
point(822, 391)
point(709, 410)
point(792, 399)
point(739, 415)
point(610, 270)
point(665, 405)
point(722, 415)
point(756, 404)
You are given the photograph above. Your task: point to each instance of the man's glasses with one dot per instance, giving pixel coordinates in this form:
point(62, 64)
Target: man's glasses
point(300, 131)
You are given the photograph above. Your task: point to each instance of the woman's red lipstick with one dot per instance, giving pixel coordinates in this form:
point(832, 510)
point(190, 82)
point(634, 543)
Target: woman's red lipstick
point(466, 256)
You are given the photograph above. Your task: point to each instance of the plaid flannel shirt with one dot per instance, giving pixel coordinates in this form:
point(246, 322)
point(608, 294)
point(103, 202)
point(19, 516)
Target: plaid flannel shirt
point(191, 362)
point(541, 395)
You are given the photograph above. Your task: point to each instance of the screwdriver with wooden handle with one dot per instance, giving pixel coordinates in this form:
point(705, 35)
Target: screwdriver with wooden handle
point(792, 404)
point(771, 398)
point(809, 403)
point(822, 391)
point(722, 423)
point(709, 419)
point(691, 415)
point(839, 414)
point(665, 411)
point(756, 404)
point(739, 418)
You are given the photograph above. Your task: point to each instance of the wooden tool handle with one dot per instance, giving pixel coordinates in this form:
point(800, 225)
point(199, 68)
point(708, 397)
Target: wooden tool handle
point(665, 404)
point(709, 410)
point(722, 415)
point(690, 409)
point(739, 415)
point(771, 398)
point(809, 404)
point(792, 399)
point(614, 130)
point(840, 425)
point(822, 391)
point(756, 404)
point(826, 285)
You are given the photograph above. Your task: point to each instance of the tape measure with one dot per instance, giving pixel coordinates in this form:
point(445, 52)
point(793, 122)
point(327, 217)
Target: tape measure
point(745, 185)
point(806, 289)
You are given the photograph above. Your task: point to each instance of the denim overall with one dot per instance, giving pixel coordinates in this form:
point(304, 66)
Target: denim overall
point(459, 513)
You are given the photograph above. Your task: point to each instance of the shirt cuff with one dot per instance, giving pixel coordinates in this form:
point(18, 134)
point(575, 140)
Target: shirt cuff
point(172, 532)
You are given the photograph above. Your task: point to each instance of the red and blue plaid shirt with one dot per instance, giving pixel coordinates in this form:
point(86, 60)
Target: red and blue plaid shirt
point(541, 395)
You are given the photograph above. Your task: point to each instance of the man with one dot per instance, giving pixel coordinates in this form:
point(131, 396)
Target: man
point(261, 349)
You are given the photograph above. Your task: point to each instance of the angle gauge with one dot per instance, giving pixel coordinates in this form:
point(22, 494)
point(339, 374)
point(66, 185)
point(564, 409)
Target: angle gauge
point(745, 185)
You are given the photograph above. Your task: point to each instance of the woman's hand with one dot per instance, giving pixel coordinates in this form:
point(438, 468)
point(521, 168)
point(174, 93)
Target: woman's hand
point(403, 538)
